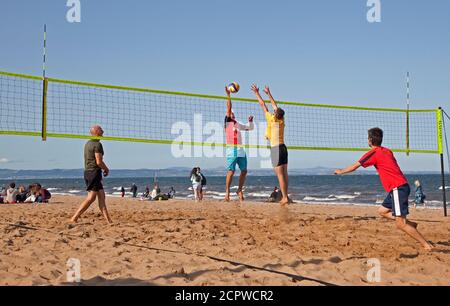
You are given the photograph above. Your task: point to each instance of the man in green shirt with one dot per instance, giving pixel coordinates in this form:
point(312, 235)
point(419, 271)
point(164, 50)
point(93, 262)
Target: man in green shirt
point(93, 166)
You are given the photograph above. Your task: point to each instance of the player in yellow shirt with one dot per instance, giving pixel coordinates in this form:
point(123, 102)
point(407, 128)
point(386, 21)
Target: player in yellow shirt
point(275, 134)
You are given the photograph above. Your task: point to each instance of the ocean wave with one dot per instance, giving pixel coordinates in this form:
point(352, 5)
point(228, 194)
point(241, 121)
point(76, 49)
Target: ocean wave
point(75, 191)
point(318, 199)
point(53, 189)
point(259, 195)
point(345, 197)
point(62, 193)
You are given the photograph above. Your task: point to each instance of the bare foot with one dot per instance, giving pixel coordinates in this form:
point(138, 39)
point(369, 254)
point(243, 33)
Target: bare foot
point(240, 194)
point(227, 198)
point(284, 202)
point(428, 247)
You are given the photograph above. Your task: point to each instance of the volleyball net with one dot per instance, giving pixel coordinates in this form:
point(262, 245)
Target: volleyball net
point(33, 106)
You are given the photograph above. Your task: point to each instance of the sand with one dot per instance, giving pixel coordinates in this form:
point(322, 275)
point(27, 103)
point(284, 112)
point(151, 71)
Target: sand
point(214, 243)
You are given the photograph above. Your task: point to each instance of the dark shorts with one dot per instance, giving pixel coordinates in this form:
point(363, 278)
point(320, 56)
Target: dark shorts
point(279, 155)
point(93, 179)
point(398, 201)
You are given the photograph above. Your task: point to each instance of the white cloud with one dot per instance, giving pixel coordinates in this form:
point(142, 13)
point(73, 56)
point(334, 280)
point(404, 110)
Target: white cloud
point(4, 160)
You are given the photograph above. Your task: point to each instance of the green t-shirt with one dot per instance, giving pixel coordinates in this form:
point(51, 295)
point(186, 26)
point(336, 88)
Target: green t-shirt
point(92, 147)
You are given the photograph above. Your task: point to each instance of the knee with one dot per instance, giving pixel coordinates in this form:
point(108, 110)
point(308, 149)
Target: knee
point(400, 224)
point(244, 173)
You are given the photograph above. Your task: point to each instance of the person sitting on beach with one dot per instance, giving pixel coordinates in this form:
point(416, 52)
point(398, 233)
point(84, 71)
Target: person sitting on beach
point(146, 193)
point(2, 194)
point(42, 195)
point(275, 196)
point(171, 193)
point(11, 194)
point(23, 194)
point(395, 206)
point(155, 192)
point(419, 195)
point(196, 181)
point(94, 165)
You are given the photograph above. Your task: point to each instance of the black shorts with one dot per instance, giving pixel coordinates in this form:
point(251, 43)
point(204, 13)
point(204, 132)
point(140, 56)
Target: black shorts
point(279, 155)
point(93, 179)
point(397, 201)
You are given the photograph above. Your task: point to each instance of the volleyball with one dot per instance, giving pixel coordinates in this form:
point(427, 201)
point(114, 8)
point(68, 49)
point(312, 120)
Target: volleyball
point(234, 87)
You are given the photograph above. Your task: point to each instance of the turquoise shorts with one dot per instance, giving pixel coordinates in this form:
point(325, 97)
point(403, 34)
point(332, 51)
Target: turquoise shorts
point(240, 161)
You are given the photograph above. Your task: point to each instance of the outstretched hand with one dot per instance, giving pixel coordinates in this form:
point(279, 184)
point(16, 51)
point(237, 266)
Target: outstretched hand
point(255, 89)
point(338, 172)
point(267, 90)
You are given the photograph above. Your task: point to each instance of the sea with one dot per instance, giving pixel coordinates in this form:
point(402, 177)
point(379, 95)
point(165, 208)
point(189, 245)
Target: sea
point(311, 189)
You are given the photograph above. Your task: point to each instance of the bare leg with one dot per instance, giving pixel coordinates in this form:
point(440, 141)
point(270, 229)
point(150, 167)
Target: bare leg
point(402, 224)
point(201, 193)
point(228, 182)
point(286, 175)
point(92, 195)
point(240, 191)
point(387, 213)
point(279, 171)
point(102, 206)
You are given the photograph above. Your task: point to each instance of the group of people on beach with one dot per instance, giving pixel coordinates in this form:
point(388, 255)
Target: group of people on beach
point(395, 207)
point(34, 193)
point(156, 194)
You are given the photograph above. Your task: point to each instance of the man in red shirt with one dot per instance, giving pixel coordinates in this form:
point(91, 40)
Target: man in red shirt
point(395, 206)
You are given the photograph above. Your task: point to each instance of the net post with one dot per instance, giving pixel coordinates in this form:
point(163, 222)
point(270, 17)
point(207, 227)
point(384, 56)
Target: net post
point(407, 113)
point(441, 153)
point(44, 109)
point(407, 133)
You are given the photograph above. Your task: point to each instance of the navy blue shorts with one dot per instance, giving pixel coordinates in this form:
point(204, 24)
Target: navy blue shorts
point(398, 201)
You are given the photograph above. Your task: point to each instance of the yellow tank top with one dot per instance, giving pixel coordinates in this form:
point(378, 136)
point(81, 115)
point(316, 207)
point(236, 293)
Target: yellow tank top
point(275, 130)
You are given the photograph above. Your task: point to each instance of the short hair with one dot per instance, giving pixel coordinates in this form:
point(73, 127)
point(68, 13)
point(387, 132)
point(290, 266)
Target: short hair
point(376, 136)
point(279, 113)
point(12, 185)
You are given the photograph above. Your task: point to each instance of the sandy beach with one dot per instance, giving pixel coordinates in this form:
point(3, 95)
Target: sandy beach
point(214, 243)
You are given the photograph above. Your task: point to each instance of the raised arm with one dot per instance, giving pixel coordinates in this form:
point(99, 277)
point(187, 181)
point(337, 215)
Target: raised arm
point(349, 169)
point(272, 100)
point(247, 127)
point(255, 89)
point(229, 105)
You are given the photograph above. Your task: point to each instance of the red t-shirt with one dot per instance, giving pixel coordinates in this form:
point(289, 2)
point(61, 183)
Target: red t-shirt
point(387, 167)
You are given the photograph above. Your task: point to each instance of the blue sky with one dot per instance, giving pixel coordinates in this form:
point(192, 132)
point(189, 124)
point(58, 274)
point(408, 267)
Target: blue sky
point(317, 51)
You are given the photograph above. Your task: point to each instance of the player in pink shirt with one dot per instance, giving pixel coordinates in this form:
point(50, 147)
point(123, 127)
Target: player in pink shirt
point(235, 153)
